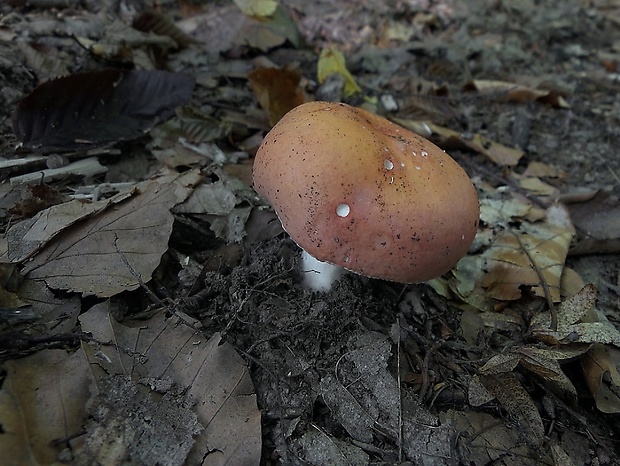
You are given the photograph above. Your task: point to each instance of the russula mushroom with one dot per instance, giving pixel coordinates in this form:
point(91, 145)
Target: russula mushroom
point(356, 190)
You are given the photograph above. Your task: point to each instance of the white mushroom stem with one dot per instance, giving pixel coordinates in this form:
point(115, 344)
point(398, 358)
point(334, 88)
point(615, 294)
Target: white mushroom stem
point(317, 275)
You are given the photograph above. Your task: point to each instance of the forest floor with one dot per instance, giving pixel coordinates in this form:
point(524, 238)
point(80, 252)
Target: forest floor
point(151, 306)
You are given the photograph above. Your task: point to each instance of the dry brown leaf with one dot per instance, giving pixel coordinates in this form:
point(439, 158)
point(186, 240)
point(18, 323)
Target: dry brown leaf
point(27, 237)
point(517, 401)
point(516, 92)
point(598, 223)
point(43, 399)
point(161, 352)
point(577, 322)
point(449, 139)
point(529, 254)
point(600, 369)
point(277, 90)
point(543, 170)
point(116, 249)
point(500, 363)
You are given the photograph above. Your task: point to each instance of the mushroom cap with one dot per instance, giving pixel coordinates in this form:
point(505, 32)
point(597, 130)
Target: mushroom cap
point(356, 190)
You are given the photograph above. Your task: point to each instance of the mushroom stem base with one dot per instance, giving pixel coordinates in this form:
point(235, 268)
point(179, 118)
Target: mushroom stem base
point(317, 275)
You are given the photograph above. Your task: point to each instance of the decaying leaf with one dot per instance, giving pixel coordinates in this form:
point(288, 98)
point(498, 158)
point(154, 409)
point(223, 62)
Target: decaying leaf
point(116, 249)
point(517, 401)
point(598, 222)
point(84, 110)
point(128, 424)
point(318, 447)
point(577, 321)
point(517, 92)
point(601, 370)
point(331, 61)
point(277, 90)
point(364, 397)
point(165, 353)
point(43, 405)
point(487, 440)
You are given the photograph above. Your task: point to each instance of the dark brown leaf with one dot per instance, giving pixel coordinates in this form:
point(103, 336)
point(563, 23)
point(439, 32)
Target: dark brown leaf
point(85, 110)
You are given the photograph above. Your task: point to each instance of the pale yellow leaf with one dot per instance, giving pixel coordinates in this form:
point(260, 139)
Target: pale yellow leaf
point(257, 7)
point(331, 61)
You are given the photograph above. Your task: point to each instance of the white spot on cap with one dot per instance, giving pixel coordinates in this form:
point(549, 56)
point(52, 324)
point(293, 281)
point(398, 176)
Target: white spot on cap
point(424, 153)
point(388, 164)
point(343, 210)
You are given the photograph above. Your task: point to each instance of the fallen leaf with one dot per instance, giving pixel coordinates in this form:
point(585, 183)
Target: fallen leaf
point(160, 24)
point(211, 373)
point(85, 110)
point(598, 225)
point(257, 7)
point(365, 399)
point(331, 61)
point(317, 447)
point(116, 249)
point(516, 92)
point(29, 236)
point(600, 368)
point(449, 139)
point(517, 401)
point(277, 90)
point(577, 322)
point(485, 439)
point(43, 405)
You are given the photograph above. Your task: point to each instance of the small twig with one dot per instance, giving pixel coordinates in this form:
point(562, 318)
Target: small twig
point(543, 283)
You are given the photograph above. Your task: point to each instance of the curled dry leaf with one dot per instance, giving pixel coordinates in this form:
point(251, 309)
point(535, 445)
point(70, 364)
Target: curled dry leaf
point(601, 370)
point(577, 322)
point(517, 92)
point(160, 24)
point(116, 249)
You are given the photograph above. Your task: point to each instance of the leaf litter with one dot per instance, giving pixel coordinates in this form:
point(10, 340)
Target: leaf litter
point(153, 267)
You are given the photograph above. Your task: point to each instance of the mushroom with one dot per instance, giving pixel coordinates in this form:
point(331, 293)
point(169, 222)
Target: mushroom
point(358, 191)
